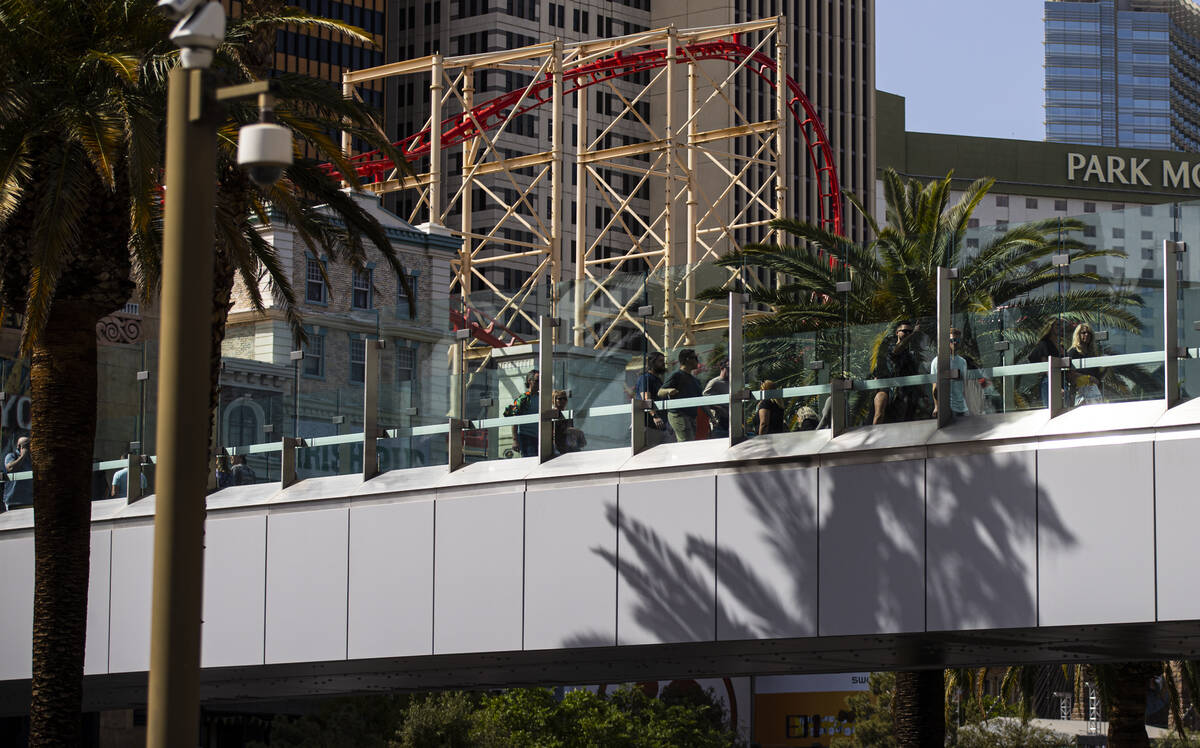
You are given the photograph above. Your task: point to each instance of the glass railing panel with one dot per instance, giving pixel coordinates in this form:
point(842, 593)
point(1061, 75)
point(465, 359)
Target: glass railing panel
point(890, 364)
point(415, 385)
point(1187, 218)
point(780, 364)
point(330, 423)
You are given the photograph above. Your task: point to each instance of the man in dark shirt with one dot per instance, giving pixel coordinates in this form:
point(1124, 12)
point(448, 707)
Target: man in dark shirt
point(897, 404)
point(18, 493)
point(646, 388)
point(682, 384)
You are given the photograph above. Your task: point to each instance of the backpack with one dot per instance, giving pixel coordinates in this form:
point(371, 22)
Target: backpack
point(519, 407)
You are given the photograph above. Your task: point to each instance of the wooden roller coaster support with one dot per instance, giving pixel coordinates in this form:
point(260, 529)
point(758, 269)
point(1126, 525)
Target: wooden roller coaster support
point(581, 223)
point(669, 255)
point(556, 182)
point(781, 137)
point(437, 71)
point(693, 216)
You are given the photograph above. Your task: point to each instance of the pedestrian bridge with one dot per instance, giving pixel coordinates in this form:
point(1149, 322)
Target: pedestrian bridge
point(1002, 538)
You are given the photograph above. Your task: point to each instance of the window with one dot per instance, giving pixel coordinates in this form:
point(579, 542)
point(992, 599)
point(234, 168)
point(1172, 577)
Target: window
point(1118, 206)
point(314, 282)
point(1147, 253)
point(358, 360)
point(1147, 235)
point(972, 243)
point(314, 355)
point(1089, 269)
point(1031, 203)
point(1060, 206)
point(407, 355)
point(1089, 207)
point(1001, 201)
point(1118, 233)
point(361, 292)
point(1089, 230)
point(972, 223)
point(1148, 274)
point(402, 310)
point(1002, 225)
point(1148, 210)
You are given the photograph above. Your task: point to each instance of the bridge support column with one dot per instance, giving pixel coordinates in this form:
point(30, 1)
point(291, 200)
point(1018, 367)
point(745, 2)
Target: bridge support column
point(371, 434)
point(1172, 351)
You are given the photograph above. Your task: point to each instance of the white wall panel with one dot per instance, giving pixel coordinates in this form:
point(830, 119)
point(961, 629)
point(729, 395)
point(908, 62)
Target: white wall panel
point(570, 567)
point(391, 580)
point(872, 548)
point(767, 554)
point(16, 612)
point(1178, 515)
point(477, 573)
point(131, 593)
point(981, 523)
point(306, 586)
point(235, 568)
point(95, 657)
point(1096, 534)
point(666, 588)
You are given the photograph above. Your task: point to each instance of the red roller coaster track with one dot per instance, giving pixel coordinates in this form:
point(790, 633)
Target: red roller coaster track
point(373, 166)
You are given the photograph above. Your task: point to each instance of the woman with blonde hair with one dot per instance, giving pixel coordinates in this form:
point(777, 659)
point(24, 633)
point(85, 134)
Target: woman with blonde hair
point(1085, 383)
point(770, 412)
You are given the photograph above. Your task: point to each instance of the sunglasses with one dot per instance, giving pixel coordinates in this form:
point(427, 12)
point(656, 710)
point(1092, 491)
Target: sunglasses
point(904, 330)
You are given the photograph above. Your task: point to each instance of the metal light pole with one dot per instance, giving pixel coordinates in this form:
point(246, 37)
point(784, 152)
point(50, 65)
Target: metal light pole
point(184, 355)
point(193, 115)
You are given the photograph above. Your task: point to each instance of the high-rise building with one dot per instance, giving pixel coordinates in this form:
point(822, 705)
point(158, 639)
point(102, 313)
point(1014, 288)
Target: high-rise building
point(1123, 73)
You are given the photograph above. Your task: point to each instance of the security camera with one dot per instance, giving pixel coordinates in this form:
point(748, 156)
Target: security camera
point(264, 149)
point(176, 9)
point(199, 33)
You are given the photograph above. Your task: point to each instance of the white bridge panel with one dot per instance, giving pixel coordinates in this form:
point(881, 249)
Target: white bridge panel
point(981, 525)
point(1096, 534)
point(666, 553)
point(1177, 513)
point(16, 614)
point(391, 580)
point(306, 586)
point(872, 548)
point(132, 580)
point(235, 550)
point(571, 567)
point(477, 599)
point(767, 554)
point(95, 657)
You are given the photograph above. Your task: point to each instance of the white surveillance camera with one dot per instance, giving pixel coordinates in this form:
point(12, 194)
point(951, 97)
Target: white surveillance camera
point(176, 9)
point(198, 34)
point(264, 149)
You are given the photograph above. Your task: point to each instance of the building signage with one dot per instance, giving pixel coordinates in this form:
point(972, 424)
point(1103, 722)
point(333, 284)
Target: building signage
point(1166, 173)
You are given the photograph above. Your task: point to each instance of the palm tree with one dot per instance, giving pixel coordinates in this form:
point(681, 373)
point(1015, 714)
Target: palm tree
point(894, 276)
point(80, 164)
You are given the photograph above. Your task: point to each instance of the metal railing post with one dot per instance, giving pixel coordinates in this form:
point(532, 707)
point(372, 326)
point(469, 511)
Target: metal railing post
point(287, 461)
point(737, 367)
point(546, 387)
point(1171, 347)
point(371, 434)
point(133, 477)
point(455, 447)
point(944, 371)
point(837, 406)
point(637, 426)
point(1055, 368)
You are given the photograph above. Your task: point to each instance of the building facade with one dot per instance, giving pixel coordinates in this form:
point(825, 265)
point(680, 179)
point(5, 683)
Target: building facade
point(1123, 73)
point(274, 385)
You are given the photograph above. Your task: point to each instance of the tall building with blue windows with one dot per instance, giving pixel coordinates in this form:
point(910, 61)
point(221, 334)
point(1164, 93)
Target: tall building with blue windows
point(1123, 73)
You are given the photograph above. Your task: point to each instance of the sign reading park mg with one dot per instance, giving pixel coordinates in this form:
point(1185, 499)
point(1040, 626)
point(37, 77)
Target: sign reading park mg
point(1165, 173)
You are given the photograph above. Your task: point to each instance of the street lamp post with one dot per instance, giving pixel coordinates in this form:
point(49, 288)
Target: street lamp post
point(193, 115)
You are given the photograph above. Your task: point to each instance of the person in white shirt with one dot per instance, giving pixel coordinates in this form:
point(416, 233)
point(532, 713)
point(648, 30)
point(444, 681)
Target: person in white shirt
point(958, 403)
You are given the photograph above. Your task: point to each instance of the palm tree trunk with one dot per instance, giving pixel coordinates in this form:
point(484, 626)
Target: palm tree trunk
point(918, 709)
point(63, 384)
point(1127, 703)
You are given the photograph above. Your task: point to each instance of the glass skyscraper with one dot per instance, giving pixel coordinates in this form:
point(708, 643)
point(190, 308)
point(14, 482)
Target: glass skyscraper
point(1123, 73)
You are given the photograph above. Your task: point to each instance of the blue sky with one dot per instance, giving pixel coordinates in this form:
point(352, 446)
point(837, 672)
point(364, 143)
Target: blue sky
point(965, 67)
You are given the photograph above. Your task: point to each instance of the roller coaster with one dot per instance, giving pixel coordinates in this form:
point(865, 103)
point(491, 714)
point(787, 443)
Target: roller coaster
point(711, 163)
